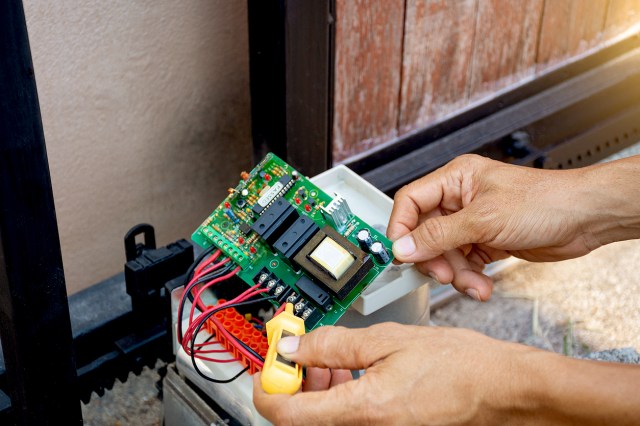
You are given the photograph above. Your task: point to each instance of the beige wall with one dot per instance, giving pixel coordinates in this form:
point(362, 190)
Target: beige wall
point(146, 115)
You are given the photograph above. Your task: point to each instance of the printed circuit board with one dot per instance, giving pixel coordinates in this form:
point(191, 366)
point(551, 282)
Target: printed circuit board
point(295, 240)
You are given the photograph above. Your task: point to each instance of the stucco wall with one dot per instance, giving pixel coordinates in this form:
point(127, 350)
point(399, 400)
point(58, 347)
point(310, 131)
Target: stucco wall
point(146, 115)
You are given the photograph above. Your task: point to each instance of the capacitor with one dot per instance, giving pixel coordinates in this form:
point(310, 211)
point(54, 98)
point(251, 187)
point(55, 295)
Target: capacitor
point(231, 215)
point(364, 239)
point(379, 252)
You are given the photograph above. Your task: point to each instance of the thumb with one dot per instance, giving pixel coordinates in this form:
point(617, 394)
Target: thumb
point(335, 347)
point(435, 236)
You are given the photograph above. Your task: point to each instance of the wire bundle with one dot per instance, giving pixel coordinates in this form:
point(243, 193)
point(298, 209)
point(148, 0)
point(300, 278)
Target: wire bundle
point(202, 275)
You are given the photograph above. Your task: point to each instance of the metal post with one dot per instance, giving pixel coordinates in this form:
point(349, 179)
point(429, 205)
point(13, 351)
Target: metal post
point(34, 312)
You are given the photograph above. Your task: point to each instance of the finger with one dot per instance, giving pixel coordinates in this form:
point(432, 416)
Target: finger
point(420, 196)
point(316, 379)
point(339, 376)
point(466, 280)
point(342, 404)
point(268, 405)
point(436, 236)
point(339, 347)
point(437, 268)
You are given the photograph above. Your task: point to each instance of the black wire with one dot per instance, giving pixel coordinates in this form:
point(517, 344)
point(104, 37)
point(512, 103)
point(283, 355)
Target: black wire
point(187, 293)
point(199, 327)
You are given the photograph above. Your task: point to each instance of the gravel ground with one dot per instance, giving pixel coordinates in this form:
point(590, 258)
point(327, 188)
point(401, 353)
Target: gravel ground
point(573, 307)
point(134, 402)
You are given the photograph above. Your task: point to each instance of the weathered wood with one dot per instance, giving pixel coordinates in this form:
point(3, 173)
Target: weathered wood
point(569, 28)
point(622, 15)
point(438, 45)
point(368, 59)
point(505, 44)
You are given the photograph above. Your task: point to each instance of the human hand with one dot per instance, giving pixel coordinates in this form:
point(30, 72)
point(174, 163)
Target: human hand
point(415, 375)
point(474, 211)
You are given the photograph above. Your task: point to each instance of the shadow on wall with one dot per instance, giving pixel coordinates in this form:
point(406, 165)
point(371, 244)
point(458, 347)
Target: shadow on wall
point(146, 115)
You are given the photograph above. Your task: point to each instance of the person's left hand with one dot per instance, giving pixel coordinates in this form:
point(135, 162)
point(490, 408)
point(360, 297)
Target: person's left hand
point(414, 375)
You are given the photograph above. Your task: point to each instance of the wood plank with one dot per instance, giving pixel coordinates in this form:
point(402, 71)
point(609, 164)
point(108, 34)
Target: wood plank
point(438, 46)
point(569, 28)
point(368, 59)
point(622, 15)
point(505, 44)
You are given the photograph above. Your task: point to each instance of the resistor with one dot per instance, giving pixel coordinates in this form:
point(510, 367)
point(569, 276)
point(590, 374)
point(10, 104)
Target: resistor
point(349, 230)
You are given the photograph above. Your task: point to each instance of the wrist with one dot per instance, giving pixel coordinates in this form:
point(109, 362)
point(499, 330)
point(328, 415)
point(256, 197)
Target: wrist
point(611, 203)
point(524, 393)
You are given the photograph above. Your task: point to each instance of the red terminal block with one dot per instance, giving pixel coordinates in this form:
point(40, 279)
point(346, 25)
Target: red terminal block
point(238, 326)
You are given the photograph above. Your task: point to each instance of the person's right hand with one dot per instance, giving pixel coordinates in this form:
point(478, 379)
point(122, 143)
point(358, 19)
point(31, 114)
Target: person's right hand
point(474, 210)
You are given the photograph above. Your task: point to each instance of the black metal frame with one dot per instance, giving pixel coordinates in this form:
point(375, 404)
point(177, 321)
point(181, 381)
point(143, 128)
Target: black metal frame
point(34, 316)
point(291, 47)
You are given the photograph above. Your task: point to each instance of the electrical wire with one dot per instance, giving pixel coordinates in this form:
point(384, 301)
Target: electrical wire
point(189, 287)
point(208, 315)
point(205, 273)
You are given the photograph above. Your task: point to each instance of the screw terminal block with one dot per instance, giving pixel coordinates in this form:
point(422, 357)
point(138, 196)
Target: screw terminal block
point(237, 324)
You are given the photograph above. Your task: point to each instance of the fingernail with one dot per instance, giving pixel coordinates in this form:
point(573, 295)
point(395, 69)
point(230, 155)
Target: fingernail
point(288, 345)
point(473, 293)
point(405, 246)
point(434, 276)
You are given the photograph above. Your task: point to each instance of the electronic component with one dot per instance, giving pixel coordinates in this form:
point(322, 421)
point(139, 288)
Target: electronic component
point(364, 239)
point(296, 236)
point(356, 271)
point(275, 220)
point(332, 257)
point(245, 228)
point(279, 228)
point(231, 215)
point(279, 374)
point(379, 252)
point(277, 189)
point(314, 293)
point(337, 212)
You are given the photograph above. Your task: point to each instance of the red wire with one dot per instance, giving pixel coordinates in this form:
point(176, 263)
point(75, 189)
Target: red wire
point(196, 298)
point(194, 325)
point(280, 309)
point(209, 260)
point(203, 269)
point(185, 294)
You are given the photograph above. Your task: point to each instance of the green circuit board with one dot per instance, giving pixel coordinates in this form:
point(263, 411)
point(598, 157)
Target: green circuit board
point(234, 227)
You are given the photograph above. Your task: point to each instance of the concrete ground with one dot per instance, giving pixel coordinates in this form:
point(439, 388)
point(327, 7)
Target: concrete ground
point(573, 307)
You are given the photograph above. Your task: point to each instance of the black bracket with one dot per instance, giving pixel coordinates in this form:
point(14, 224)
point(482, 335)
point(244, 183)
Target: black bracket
point(148, 268)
